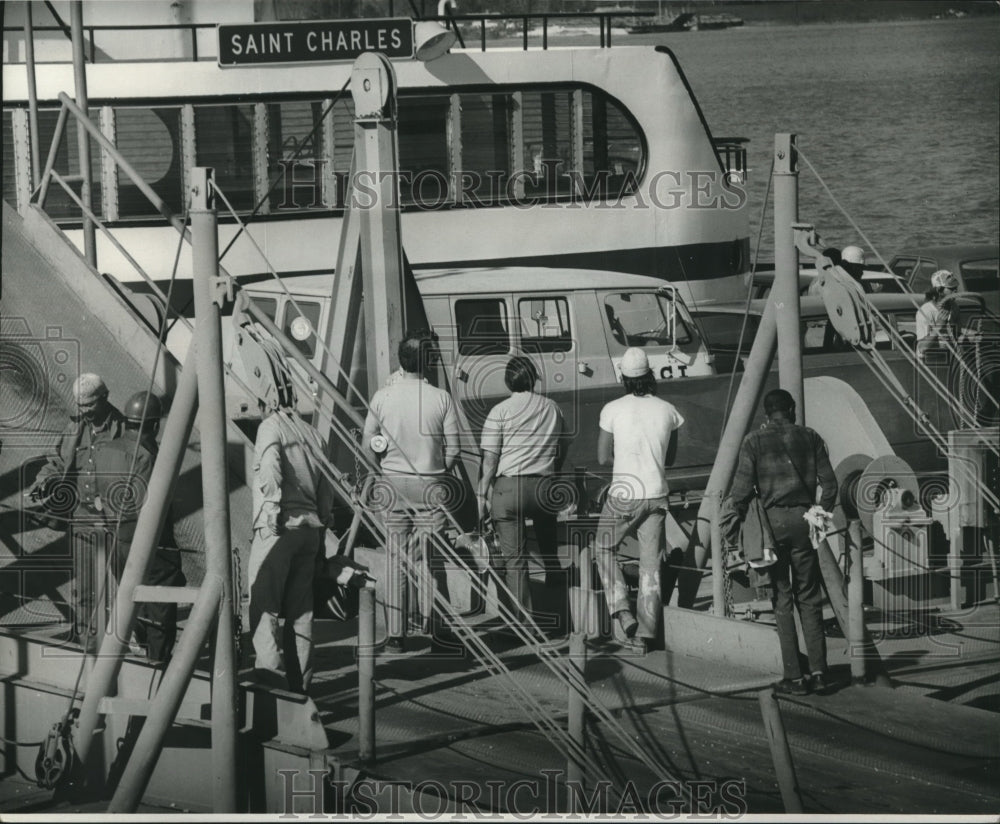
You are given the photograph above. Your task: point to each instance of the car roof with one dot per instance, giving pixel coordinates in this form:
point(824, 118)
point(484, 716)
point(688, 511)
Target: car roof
point(490, 280)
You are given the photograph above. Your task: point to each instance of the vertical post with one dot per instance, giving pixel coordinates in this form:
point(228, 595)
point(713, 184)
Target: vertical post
point(781, 755)
point(215, 486)
point(833, 582)
point(785, 293)
point(366, 675)
point(168, 699)
point(575, 724)
point(82, 138)
point(718, 573)
point(374, 88)
point(176, 432)
point(29, 65)
point(855, 602)
point(756, 369)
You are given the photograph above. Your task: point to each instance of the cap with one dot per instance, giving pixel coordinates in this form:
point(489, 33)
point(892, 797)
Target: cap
point(635, 364)
point(142, 406)
point(943, 279)
point(852, 254)
point(88, 388)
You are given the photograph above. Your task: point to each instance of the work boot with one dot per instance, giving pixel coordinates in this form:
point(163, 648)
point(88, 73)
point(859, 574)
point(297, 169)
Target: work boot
point(819, 683)
point(791, 686)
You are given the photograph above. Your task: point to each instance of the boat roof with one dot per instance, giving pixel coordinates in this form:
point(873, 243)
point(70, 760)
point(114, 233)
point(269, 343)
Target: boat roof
point(488, 280)
point(956, 251)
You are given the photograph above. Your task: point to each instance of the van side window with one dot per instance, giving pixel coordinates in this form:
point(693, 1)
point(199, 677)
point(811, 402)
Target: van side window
point(544, 324)
point(482, 327)
point(269, 306)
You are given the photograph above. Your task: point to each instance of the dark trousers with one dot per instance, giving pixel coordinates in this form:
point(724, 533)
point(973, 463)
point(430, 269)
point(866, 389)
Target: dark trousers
point(797, 583)
point(514, 499)
point(156, 623)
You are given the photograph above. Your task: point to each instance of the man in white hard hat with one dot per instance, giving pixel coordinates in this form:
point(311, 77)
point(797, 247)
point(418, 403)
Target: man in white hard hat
point(852, 261)
point(638, 434)
point(71, 475)
point(938, 319)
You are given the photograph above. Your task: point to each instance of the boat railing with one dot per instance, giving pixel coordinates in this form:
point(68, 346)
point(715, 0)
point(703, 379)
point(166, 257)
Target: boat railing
point(197, 45)
point(732, 152)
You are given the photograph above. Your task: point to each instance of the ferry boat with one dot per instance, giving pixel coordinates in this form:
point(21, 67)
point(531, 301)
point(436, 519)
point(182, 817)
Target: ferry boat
point(556, 157)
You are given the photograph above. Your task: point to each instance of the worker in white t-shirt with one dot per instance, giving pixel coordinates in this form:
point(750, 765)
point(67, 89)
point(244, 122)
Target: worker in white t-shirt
point(639, 434)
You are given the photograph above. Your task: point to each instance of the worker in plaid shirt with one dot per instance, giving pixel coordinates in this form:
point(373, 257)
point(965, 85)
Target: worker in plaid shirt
point(784, 464)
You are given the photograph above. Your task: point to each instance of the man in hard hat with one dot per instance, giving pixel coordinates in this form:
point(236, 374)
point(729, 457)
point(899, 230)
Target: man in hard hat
point(292, 507)
point(939, 318)
point(124, 468)
point(638, 435)
point(787, 466)
point(70, 475)
point(852, 261)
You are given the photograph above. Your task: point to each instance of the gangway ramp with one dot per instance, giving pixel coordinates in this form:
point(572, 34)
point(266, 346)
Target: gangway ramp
point(59, 317)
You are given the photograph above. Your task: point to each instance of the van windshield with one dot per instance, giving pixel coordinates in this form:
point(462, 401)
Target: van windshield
point(644, 319)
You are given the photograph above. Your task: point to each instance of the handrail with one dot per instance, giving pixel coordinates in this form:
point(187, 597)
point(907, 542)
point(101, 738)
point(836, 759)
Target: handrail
point(604, 19)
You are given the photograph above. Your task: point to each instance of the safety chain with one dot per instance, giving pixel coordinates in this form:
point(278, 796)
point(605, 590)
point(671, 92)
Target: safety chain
point(727, 592)
point(356, 434)
point(238, 604)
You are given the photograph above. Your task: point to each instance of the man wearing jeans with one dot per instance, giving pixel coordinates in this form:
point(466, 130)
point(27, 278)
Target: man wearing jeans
point(639, 434)
point(784, 463)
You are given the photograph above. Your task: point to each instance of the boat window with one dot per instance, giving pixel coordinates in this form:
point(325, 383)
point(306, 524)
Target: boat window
point(224, 141)
point(7, 162)
point(921, 281)
point(58, 204)
point(544, 324)
point(295, 155)
point(548, 158)
point(980, 275)
point(310, 310)
point(819, 337)
point(486, 144)
point(423, 150)
point(482, 326)
point(150, 140)
point(644, 319)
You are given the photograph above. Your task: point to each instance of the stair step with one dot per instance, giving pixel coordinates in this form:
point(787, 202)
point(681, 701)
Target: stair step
point(193, 710)
point(165, 595)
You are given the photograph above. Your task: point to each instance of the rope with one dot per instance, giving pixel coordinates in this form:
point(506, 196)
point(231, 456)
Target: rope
point(950, 345)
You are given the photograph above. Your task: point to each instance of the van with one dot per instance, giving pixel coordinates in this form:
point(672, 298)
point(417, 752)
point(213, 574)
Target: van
point(575, 325)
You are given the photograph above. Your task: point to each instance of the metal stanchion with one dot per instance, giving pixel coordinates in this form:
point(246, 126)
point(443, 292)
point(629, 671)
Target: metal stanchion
point(855, 602)
point(718, 574)
point(366, 675)
point(575, 724)
point(781, 755)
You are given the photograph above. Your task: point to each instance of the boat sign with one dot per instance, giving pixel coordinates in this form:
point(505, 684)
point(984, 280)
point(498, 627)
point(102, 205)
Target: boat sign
point(307, 41)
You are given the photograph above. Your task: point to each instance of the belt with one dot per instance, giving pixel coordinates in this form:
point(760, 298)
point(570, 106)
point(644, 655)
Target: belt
point(533, 475)
point(788, 506)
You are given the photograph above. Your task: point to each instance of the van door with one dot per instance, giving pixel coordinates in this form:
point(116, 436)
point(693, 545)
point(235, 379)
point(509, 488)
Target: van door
point(482, 343)
point(550, 330)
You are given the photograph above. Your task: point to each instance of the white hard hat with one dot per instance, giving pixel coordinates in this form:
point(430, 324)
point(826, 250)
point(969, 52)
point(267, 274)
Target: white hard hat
point(943, 279)
point(853, 254)
point(635, 364)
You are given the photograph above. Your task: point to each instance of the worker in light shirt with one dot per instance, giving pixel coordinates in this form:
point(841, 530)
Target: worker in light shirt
point(523, 444)
point(411, 434)
point(638, 434)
